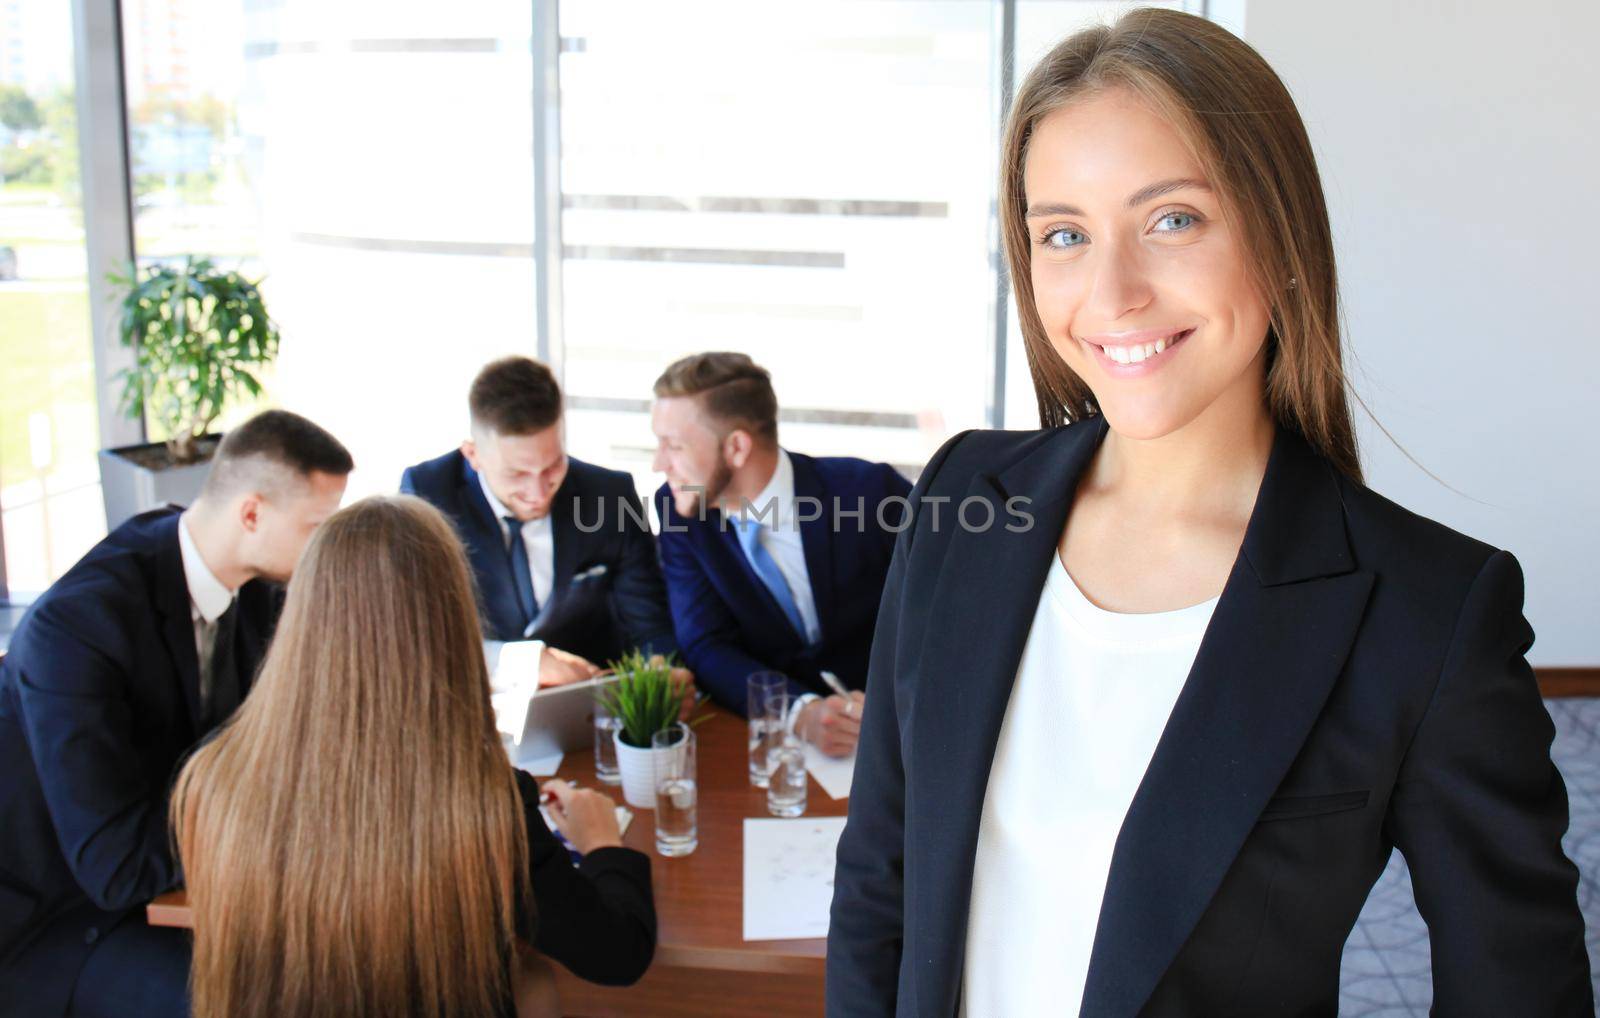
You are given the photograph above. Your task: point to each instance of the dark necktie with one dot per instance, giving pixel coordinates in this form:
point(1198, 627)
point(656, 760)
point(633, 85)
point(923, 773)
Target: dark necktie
point(521, 574)
point(222, 669)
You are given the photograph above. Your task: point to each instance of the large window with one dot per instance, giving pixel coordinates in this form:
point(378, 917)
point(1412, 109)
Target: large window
point(49, 480)
point(374, 163)
point(811, 183)
point(808, 183)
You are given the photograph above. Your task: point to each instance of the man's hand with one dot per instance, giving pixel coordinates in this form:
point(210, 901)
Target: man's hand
point(832, 724)
point(683, 678)
point(558, 668)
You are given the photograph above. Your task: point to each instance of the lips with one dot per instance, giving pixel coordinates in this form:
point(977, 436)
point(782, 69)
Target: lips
point(1138, 358)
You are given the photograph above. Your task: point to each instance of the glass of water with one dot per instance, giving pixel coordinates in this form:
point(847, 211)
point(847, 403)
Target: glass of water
point(786, 783)
point(605, 747)
point(767, 706)
point(677, 819)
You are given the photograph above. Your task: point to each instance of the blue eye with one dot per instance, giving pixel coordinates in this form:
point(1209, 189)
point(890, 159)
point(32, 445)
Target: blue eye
point(1053, 238)
point(1189, 220)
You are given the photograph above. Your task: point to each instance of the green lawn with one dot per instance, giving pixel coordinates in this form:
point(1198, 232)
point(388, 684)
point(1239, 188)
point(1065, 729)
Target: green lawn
point(46, 366)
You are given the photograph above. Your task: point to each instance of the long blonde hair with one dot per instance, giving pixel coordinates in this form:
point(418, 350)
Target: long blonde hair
point(353, 842)
point(1244, 130)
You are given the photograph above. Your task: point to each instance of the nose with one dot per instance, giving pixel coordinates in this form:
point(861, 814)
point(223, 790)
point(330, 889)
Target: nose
point(1119, 285)
point(658, 462)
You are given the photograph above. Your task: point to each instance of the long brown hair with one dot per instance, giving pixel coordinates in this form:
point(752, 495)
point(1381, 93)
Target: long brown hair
point(353, 842)
point(1244, 130)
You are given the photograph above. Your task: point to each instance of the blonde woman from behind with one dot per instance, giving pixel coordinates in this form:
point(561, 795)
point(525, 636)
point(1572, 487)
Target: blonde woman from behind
point(355, 841)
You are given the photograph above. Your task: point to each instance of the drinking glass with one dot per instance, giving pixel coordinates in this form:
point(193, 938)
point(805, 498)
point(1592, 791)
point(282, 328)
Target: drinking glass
point(767, 706)
point(605, 746)
point(786, 788)
point(677, 819)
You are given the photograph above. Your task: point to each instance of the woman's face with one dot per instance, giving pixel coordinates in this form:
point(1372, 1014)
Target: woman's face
point(1143, 289)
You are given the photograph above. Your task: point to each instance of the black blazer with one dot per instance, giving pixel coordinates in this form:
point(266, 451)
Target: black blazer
point(1361, 687)
point(597, 918)
point(99, 704)
point(607, 597)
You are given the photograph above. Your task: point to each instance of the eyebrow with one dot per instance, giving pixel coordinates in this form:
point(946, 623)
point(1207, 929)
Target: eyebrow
point(1139, 197)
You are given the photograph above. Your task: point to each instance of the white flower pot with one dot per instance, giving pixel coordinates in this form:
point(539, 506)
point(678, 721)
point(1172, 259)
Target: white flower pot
point(638, 773)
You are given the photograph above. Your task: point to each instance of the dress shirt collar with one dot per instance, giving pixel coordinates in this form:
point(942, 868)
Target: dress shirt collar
point(776, 501)
point(501, 512)
point(207, 595)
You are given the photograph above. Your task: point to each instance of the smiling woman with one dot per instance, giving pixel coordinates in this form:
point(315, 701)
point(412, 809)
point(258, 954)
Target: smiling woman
point(1271, 234)
point(1150, 754)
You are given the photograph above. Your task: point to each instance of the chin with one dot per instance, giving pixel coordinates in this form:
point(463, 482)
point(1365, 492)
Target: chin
point(686, 502)
point(1143, 422)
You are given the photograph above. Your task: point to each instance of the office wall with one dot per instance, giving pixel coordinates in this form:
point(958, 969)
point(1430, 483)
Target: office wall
point(1458, 143)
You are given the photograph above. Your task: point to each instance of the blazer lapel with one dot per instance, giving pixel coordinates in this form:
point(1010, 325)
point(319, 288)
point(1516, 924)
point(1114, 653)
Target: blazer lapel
point(816, 538)
point(486, 550)
point(177, 622)
point(983, 605)
point(1266, 666)
point(725, 534)
point(565, 536)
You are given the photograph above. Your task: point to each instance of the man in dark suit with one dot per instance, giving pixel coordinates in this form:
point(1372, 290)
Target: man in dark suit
point(113, 676)
point(561, 549)
point(774, 560)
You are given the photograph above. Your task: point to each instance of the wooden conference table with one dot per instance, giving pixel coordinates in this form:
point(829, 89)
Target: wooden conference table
point(703, 966)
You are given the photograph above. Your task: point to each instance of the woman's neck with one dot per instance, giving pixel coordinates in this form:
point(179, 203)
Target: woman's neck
point(1213, 464)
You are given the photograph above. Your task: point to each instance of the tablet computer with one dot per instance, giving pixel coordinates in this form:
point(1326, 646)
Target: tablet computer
point(561, 719)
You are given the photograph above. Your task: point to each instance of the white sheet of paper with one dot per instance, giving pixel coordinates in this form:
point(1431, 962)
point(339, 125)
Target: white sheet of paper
point(788, 876)
point(832, 773)
point(539, 766)
point(624, 818)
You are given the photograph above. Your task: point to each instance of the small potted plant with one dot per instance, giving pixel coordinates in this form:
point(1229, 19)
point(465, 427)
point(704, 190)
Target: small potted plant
point(200, 336)
point(645, 700)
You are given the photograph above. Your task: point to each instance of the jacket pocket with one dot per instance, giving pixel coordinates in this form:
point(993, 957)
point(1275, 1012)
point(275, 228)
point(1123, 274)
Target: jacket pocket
point(1295, 807)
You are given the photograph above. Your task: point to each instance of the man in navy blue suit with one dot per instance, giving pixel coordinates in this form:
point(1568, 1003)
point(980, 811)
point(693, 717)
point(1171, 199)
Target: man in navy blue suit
point(113, 676)
point(773, 560)
point(561, 549)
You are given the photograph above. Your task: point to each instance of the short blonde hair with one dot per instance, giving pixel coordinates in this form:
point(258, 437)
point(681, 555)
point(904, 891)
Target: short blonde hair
point(733, 390)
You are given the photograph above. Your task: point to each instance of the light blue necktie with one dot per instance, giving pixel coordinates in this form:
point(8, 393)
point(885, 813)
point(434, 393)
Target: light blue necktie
point(767, 568)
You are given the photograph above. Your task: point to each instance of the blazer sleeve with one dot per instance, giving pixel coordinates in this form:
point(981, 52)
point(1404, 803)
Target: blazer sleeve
point(1479, 811)
point(597, 918)
point(894, 486)
point(866, 924)
point(707, 631)
point(638, 592)
point(111, 825)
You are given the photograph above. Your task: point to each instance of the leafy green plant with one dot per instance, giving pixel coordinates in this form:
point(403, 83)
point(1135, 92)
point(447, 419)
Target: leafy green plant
point(199, 335)
point(645, 698)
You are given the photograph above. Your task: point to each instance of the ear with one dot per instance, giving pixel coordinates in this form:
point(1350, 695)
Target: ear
point(736, 447)
point(469, 449)
point(249, 511)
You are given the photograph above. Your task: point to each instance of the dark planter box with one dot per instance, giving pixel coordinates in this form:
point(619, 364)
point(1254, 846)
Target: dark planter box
point(135, 478)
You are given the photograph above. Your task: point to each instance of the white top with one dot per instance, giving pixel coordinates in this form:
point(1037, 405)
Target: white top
point(775, 510)
point(208, 599)
point(538, 537)
point(1092, 695)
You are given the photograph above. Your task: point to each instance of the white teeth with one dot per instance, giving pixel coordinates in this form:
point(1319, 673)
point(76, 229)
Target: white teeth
point(1139, 354)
